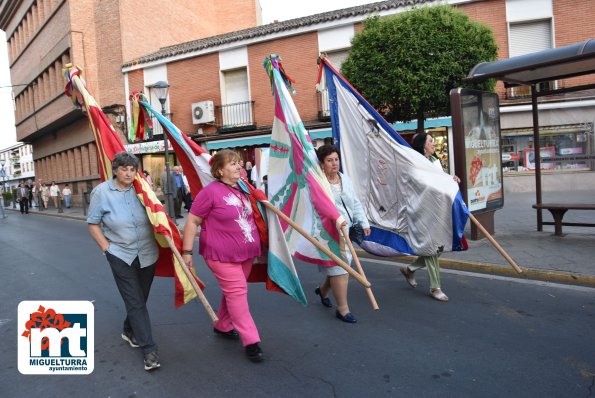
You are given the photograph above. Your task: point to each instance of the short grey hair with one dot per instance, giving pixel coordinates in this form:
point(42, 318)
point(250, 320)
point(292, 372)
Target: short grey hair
point(124, 159)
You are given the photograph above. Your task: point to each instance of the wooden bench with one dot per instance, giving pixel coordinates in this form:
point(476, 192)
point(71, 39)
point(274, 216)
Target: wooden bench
point(558, 210)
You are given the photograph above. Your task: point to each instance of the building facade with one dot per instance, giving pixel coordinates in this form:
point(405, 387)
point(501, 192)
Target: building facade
point(98, 36)
point(16, 165)
point(229, 104)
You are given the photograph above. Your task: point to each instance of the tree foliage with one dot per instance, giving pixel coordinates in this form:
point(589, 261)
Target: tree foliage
point(406, 64)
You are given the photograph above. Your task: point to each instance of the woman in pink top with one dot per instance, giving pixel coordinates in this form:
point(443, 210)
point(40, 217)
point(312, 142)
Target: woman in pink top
point(229, 242)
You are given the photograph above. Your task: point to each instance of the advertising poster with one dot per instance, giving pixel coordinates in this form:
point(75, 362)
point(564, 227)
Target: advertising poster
point(479, 121)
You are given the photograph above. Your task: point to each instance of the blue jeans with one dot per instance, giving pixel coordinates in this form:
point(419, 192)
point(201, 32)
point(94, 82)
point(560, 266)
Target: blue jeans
point(67, 201)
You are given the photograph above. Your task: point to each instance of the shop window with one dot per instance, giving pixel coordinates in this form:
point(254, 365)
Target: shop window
point(569, 146)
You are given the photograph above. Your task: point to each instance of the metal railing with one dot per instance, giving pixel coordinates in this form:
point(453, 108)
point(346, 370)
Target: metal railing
point(324, 110)
point(235, 117)
point(157, 129)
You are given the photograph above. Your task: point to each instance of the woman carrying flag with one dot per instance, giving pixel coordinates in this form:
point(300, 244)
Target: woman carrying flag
point(229, 242)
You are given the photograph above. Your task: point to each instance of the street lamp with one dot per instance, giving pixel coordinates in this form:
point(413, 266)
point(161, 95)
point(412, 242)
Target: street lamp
point(161, 89)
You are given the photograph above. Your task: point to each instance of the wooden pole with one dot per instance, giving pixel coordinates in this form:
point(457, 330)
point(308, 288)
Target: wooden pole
point(496, 245)
point(190, 276)
point(359, 266)
point(360, 278)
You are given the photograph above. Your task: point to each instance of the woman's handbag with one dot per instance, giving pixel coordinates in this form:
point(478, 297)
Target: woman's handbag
point(356, 231)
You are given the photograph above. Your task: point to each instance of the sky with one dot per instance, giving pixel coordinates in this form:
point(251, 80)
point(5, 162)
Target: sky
point(271, 10)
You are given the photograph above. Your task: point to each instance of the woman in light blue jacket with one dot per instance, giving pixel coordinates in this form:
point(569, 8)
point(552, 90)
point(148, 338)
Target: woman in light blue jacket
point(351, 209)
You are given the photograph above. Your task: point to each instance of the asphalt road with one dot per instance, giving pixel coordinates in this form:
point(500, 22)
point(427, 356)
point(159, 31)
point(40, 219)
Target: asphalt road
point(496, 337)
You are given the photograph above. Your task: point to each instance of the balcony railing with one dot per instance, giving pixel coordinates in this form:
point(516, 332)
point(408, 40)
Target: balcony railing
point(157, 129)
point(324, 111)
point(235, 117)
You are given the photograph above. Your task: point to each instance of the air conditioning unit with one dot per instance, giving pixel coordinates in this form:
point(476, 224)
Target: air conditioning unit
point(203, 112)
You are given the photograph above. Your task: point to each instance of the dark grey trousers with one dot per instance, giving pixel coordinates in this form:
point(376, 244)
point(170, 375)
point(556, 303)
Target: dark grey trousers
point(134, 284)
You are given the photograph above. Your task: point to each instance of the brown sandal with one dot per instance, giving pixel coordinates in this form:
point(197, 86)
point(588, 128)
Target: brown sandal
point(409, 277)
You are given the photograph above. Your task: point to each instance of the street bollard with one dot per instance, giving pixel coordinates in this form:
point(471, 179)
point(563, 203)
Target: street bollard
point(40, 206)
point(60, 209)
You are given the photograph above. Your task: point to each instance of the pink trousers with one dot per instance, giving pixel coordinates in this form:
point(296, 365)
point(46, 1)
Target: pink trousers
point(234, 312)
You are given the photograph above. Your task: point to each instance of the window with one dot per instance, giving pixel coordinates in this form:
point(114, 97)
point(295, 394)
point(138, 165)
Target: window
point(527, 38)
point(237, 108)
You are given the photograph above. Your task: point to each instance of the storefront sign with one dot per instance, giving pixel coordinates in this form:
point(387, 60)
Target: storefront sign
point(478, 157)
point(147, 147)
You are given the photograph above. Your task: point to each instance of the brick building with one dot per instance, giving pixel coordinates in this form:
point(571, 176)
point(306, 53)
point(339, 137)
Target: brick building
point(223, 76)
point(99, 36)
point(219, 93)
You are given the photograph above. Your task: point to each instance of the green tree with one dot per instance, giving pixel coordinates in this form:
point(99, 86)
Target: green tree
point(406, 64)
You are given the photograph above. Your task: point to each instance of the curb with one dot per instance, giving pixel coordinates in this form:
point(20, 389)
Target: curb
point(498, 269)
point(48, 214)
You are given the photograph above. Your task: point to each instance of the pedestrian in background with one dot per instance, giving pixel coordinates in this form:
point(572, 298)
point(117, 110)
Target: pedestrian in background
point(2, 202)
point(54, 193)
point(149, 179)
point(179, 192)
point(66, 192)
point(337, 279)
point(45, 195)
point(23, 198)
point(187, 195)
point(126, 239)
point(229, 242)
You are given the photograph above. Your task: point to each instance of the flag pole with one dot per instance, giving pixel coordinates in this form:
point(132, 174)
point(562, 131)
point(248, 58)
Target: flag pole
point(496, 245)
point(358, 265)
point(190, 276)
point(360, 278)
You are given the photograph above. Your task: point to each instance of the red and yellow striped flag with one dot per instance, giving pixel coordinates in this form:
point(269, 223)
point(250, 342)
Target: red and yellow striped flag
point(108, 144)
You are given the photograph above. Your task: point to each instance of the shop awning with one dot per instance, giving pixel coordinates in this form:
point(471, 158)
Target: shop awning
point(557, 63)
point(264, 139)
point(240, 141)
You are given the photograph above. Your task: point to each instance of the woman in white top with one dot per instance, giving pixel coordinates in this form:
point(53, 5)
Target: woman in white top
point(352, 211)
point(54, 193)
point(66, 192)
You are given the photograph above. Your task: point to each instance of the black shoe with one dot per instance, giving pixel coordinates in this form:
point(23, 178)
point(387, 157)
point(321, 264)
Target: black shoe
point(349, 318)
point(232, 334)
point(129, 337)
point(254, 352)
point(152, 360)
point(179, 217)
point(324, 300)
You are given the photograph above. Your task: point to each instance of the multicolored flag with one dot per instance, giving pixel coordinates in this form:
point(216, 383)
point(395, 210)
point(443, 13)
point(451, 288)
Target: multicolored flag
point(413, 207)
point(108, 144)
point(193, 158)
point(275, 267)
point(296, 184)
point(142, 128)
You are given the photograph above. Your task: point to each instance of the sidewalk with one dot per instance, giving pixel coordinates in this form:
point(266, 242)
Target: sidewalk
point(541, 255)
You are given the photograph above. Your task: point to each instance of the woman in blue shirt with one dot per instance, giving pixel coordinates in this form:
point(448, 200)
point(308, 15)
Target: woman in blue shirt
point(126, 239)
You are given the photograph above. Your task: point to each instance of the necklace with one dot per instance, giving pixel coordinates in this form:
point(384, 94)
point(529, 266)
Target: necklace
point(234, 192)
point(335, 180)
